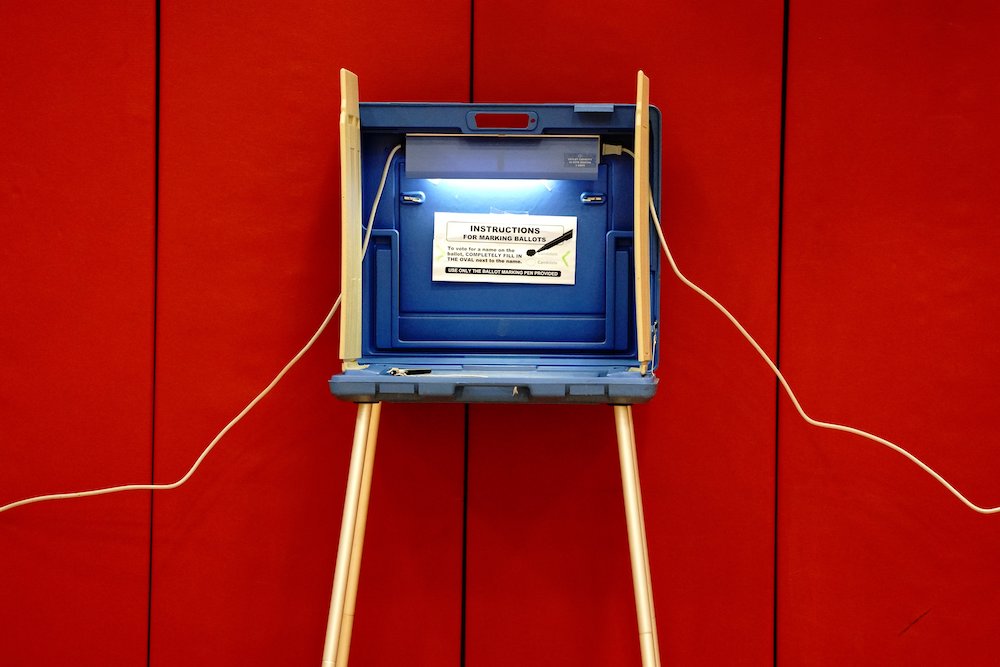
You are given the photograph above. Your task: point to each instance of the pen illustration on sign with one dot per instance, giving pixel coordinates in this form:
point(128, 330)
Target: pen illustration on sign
point(551, 244)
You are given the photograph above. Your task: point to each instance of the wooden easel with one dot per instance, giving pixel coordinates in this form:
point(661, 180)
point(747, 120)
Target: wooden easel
point(352, 529)
point(352, 536)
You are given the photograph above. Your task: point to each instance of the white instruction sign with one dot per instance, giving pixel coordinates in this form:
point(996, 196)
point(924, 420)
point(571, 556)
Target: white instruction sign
point(504, 248)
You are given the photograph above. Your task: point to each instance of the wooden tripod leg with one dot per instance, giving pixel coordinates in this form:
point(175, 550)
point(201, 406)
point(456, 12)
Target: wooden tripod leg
point(648, 648)
point(347, 624)
point(346, 546)
point(645, 548)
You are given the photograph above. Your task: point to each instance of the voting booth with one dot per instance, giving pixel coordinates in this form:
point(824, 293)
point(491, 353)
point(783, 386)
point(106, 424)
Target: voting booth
point(496, 253)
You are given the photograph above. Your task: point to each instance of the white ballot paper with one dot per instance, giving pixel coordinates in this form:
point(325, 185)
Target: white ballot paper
point(504, 248)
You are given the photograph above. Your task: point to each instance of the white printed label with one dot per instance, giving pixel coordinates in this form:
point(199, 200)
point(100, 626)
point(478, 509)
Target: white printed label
point(504, 248)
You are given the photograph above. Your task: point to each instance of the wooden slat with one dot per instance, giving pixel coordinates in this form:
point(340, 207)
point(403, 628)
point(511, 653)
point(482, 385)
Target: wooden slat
point(350, 217)
point(640, 231)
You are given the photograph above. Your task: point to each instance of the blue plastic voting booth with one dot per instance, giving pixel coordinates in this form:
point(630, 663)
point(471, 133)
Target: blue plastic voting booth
point(496, 253)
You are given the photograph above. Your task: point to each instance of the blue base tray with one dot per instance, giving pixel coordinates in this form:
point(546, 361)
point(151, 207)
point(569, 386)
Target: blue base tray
point(481, 385)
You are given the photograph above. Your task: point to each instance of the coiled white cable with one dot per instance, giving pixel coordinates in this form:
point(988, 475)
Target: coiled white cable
point(173, 485)
point(235, 420)
point(378, 198)
point(673, 265)
point(788, 389)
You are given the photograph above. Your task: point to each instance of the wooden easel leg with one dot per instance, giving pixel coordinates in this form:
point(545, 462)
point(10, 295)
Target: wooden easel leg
point(641, 583)
point(645, 548)
point(348, 527)
point(347, 625)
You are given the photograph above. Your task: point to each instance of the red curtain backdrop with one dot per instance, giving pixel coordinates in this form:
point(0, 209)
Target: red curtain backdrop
point(169, 230)
point(889, 319)
point(77, 257)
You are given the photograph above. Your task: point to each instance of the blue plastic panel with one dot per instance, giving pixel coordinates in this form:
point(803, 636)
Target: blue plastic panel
point(470, 315)
point(583, 332)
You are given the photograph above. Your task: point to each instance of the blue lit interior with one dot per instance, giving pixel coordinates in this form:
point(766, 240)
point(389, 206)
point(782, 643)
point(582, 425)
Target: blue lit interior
point(408, 315)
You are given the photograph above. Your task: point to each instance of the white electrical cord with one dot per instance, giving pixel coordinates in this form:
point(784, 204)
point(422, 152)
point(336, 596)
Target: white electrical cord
point(235, 420)
point(378, 198)
point(608, 150)
point(788, 390)
point(211, 445)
